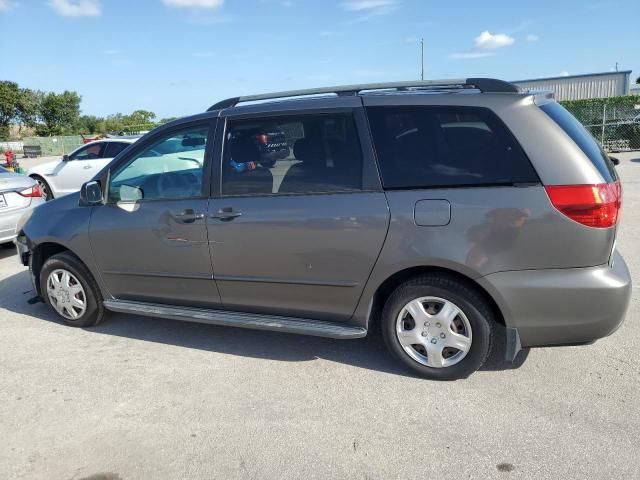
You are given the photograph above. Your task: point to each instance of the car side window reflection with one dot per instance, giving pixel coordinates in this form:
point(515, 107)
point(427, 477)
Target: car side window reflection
point(170, 168)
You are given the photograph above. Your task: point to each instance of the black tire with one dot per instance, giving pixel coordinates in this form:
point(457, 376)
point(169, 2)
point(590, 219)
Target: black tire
point(479, 314)
point(43, 185)
point(94, 312)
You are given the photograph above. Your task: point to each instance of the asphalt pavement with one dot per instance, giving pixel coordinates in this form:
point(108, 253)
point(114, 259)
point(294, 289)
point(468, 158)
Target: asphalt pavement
point(143, 398)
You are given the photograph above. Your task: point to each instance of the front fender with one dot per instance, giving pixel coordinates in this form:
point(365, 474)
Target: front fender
point(61, 224)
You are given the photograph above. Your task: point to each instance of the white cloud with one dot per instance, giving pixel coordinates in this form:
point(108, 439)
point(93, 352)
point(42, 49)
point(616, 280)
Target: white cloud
point(468, 55)
point(193, 3)
point(487, 40)
point(370, 9)
point(532, 38)
point(564, 73)
point(76, 8)
point(6, 5)
point(367, 5)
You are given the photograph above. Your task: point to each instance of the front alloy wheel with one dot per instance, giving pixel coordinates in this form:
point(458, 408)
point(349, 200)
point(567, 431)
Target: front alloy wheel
point(66, 294)
point(67, 285)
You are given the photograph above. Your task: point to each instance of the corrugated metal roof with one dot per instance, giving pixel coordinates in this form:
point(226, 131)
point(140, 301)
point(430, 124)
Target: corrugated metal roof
point(578, 87)
point(563, 77)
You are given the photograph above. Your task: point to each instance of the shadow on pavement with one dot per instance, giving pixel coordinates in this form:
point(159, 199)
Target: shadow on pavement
point(6, 252)
point(369, 352)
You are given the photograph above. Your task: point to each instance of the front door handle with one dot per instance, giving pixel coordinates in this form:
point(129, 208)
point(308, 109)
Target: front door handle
point(87, 167)
point(188, 216)
point(226, 214)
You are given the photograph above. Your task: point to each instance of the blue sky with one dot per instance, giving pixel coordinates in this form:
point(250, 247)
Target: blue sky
point(176, 57)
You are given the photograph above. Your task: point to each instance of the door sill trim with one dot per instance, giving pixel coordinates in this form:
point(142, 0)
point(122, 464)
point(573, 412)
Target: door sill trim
point(254, 321)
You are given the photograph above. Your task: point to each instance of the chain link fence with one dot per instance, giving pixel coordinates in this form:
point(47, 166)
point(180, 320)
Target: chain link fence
point(54, 145)
point(614, 122)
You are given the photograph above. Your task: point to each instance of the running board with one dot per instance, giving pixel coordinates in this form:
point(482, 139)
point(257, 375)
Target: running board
point(254, 321)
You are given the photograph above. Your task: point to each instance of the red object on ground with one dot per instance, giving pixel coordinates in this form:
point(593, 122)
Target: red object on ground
point(9, 156)
point(89, 140)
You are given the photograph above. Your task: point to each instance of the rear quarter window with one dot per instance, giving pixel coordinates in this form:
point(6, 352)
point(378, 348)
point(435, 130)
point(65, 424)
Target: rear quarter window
point(436, 147)
point(582, 138)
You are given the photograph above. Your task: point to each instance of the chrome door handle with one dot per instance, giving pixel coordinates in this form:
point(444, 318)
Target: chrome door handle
point(226, 214)
point(87, 167)
point(188, 216)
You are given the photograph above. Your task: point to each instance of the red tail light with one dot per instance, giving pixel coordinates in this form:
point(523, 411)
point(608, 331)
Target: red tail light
point(263, 138)
point(591, 205)
point(31, 191)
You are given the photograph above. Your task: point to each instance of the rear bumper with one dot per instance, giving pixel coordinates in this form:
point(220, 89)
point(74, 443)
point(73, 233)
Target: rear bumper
point(563, 306)
point(8, 220)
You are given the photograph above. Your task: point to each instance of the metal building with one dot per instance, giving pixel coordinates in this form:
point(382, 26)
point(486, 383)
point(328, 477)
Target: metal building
point(578, 87)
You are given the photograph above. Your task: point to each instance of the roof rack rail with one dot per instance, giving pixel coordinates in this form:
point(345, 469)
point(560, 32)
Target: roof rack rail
point(486, 85)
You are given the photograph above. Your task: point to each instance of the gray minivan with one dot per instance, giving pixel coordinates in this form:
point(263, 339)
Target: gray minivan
point(463, 218)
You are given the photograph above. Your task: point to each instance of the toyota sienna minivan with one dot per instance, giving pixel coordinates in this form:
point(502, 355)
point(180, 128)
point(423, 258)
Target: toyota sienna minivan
point(462, 218)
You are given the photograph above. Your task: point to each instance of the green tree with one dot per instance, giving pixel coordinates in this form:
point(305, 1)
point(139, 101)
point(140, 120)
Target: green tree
point(27, 108)
point(638, 80)
point(89, 124)
point(141, 116)
point(60, 112)
point(167, 120)
point(9, 97)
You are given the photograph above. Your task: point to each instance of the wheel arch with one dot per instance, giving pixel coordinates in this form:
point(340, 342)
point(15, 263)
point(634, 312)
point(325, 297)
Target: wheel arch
point(36, 176)
point(40, 254)
point(386, 288)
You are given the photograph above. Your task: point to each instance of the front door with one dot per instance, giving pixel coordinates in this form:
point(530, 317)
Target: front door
point(81, 167)
point(299, 238)
point(150, 238)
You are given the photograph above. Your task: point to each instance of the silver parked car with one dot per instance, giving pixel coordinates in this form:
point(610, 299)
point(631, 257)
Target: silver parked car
point(464, 219)
point(18, 194)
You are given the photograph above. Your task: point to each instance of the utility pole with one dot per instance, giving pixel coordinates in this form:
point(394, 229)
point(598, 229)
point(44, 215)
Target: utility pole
point(422, 58)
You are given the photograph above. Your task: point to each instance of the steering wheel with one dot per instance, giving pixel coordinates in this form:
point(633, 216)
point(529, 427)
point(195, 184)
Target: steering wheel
point(191, 160)
point(170, 183)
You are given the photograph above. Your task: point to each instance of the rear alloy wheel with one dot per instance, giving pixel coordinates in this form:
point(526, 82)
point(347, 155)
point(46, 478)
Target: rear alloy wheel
point(434, 332)
point(440, 327)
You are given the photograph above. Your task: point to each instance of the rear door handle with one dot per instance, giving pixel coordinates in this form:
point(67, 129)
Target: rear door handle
point(188, 216)
point(226, 214)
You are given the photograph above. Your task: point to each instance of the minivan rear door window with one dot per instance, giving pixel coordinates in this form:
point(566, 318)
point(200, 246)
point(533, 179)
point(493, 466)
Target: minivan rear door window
point(582, 138)
point(439, 147)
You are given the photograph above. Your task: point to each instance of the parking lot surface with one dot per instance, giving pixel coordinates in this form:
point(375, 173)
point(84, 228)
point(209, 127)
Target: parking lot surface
point(138, 398)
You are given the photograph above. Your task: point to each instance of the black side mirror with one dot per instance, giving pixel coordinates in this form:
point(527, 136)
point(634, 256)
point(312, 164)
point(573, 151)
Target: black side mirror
point(65, 158)
point(614, 160)
point(91, 193)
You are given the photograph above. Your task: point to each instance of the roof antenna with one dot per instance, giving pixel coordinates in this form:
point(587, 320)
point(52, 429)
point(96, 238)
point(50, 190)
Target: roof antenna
point(422, 58)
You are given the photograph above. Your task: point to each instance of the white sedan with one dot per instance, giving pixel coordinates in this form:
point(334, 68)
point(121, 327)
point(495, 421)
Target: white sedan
point(67, 175)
